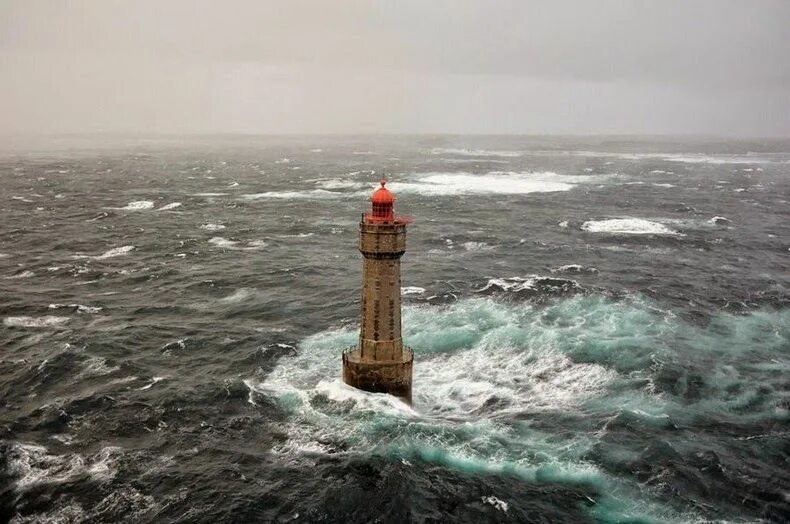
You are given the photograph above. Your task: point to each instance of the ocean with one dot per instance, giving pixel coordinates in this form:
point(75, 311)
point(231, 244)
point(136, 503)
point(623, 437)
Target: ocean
point(601, 330)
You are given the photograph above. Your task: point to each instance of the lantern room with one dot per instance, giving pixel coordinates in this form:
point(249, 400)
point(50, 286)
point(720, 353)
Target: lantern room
point(383, 208)
point(383, 204)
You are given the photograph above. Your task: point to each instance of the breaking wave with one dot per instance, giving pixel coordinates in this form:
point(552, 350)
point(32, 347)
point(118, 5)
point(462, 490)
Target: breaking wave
point(628, 226)
point(482, 367)
point(35, 322)
point(225, 243)
point(501, 183)
point(110, 253)
point(476, 152)
point(139, 205)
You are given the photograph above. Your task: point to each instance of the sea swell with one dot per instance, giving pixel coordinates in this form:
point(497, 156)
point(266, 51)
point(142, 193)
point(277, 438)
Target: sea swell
point(589, 345)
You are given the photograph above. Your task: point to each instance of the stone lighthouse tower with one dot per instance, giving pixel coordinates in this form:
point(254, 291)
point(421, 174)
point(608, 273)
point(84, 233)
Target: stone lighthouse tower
point(380, 363)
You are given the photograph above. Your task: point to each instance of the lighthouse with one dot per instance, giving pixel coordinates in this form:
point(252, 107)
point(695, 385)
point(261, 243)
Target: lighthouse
point(380, 363)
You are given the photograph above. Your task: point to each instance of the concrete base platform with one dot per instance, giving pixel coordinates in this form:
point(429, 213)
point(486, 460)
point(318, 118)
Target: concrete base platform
point(392, 377)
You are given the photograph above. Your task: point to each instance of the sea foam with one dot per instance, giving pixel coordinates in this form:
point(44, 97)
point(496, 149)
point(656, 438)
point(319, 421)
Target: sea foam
point(139, 205)
point(498, 183)
point(110, 253)
point(35, 322)
point(24, 274)
point(628, 226)
point(225, 243)
point(475, 152)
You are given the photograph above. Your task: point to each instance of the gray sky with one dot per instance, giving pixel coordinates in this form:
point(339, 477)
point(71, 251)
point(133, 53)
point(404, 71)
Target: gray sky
point(252, 66)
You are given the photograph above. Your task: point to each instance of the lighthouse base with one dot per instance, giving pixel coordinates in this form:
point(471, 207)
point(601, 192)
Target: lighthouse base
point(392, 376)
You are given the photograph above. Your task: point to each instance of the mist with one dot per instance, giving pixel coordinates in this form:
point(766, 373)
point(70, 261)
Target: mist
point(504, 67)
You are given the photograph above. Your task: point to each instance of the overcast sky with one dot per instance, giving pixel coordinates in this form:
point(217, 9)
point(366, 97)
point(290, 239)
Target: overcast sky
point(251, 66)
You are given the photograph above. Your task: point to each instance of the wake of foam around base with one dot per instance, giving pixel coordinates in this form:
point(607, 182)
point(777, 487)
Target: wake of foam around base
point(483, 367)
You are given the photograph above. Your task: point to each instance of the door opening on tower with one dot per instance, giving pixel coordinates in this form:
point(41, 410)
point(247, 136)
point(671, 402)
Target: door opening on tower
point(380, 363)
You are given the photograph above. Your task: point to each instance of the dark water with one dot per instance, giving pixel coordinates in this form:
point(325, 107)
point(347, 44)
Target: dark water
point(602, 331)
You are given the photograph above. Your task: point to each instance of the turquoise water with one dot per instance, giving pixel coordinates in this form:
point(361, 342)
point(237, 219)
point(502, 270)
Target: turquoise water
point(543, 393)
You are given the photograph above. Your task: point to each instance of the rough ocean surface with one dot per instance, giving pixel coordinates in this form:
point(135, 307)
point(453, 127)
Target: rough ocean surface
point(601, 328)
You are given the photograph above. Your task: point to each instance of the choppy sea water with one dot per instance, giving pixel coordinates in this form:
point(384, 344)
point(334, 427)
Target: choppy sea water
point(601, 331)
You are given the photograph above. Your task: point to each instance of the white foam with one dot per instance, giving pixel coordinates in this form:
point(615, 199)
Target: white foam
point(283, 161)
point(297, 235)
point(573, 268)
point(153, 381)
point(239, 295)
point(208, 195)
point(337, 183)
point(138, 205)
point(4, 255)
point(441, 184)
point(475, 152)
point(314, 194)
point(35, 322)
point(473, 160)
point(79, 307)
point(690, 158)
point(530, 283)
point(21, 199)
point(628, 226)
point(497, 182)
point(30, 466)
point(477, 246)
point(212, 227)
point(97, 366)
point(114, 252)
point(338, 391)
point(24, 274)
point(480, 362)
point(170, 206)
point(663, 185)
point(225, 243)
point(491, 500)
point(412, 290)
point(719, 220)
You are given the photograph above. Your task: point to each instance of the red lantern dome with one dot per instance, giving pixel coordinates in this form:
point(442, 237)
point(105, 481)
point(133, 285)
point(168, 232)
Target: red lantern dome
point(383, 201)
point(382, 195)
